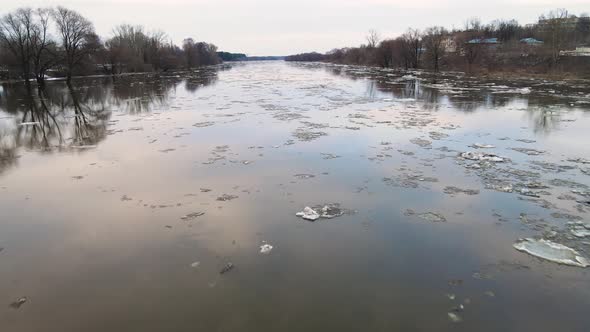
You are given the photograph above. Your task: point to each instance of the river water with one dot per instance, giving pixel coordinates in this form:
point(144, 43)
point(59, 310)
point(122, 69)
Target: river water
point(122, 201)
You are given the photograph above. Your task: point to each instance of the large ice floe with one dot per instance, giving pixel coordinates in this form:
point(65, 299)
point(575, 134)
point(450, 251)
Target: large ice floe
point(551, 251)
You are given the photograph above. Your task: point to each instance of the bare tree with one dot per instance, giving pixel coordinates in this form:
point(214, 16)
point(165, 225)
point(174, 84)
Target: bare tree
point(76, 34)
point(156, 40)
point(115, 56)
point(390, 53)
point(190, 52)
point(412, 44)
point(473, 24)
point(471, 52)
point(582, 34)
point(373, 38)
point(16, 30)
point(434, 38)
point(128, 47)
point(554, 28)
point(44, 54)
point(132, 37)
point(469, 49)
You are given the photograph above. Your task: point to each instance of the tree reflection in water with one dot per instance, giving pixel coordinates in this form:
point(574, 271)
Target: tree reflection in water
point(75, 117)
point(463, 93)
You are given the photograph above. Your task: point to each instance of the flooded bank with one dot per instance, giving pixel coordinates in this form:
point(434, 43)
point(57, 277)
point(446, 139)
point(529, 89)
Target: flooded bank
point(170, 202)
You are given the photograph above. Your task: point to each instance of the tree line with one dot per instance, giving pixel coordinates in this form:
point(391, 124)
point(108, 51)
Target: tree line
point(499, 45)
point(60, 41)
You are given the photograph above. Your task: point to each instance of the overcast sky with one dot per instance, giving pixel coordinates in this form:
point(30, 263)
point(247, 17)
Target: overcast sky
point(282, 27)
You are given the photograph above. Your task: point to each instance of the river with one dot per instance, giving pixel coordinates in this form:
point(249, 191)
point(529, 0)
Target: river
point(124, 199)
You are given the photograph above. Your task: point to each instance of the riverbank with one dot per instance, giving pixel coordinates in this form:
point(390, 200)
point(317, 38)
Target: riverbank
point(484, 74)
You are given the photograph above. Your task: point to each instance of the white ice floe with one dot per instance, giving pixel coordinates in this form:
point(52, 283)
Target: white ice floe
point(327, 211)
point(505, 89)
point(483, 146)
point(524, 91)
point(265, 248)
point(455, 318)
point(308, 214)
point(580, 232)
point(29, 124)
point(505, 188)
point(581, 229)
point(551, 251)
point(482, 156)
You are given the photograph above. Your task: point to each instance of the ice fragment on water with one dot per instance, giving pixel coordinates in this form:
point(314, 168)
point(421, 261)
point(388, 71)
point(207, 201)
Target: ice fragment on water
point(482, 146)
point(481, 156)
point(453, 317)
point(428, 216)
point(527, 151)
point(327, 211)
point(226, 197)
point(308, 214)
point(18, 303)
point(551, 251)
point(265, 248)
point(452, 190)
point(192, 215)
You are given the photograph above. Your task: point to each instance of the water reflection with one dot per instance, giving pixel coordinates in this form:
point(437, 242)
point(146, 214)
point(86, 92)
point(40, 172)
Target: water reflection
point(62, 117)
point(123, 231)
point(467, 94)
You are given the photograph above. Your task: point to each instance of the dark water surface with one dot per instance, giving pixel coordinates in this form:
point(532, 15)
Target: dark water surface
point(97, 180)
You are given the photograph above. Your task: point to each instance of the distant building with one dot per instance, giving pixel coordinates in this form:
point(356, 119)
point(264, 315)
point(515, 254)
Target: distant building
point(531, 42)
point(488, 43)
point(484, 41)
point(579, 51)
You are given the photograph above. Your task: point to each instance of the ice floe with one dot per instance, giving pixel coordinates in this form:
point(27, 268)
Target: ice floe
point(265, 248)
point(308, 214)
point(326, 211)
point(451, 190)
point(482, 156)
point(551, 251)
point(482, 146)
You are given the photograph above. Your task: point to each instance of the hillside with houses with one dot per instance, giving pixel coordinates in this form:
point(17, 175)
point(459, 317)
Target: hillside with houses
point(558, 43)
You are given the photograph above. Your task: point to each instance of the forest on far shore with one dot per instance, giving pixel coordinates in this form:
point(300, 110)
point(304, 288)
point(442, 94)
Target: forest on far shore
point(558, 43)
